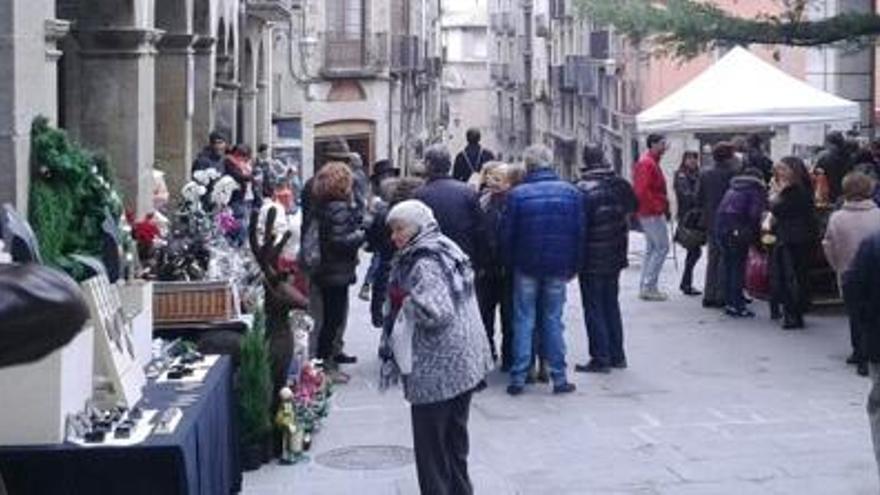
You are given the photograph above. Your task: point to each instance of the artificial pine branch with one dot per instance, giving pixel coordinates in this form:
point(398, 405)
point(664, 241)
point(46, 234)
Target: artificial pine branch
point(687, 28)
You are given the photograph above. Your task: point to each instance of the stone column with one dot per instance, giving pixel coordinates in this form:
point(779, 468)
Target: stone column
point(226, 109)
point(203, 90)
point(118, 102)
point(249, 117)
point(264, 114)
point(28, 87)
point(174, 108)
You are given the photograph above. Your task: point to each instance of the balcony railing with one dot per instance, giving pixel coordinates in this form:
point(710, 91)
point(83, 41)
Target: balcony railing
point(272, 10)
point(557, 9)
point(508, 23)
point(495, 21)
point(406, 54)
point(579, 75)
point(347, 55)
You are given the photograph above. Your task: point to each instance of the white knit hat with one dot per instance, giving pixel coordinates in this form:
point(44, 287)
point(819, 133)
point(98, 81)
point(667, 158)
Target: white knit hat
point(412, 213)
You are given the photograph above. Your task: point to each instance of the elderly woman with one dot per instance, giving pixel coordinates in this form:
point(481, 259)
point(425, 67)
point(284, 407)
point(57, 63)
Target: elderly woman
point(848, 227)
point(440, 344)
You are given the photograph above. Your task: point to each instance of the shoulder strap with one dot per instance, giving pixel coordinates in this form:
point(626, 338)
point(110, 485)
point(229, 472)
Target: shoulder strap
point(467, 158)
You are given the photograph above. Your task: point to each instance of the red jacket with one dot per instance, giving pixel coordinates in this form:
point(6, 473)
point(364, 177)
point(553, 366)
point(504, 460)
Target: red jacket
point(650, 186)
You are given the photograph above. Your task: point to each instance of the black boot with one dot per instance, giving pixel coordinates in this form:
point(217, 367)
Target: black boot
point(792, 322)
point(775, 312)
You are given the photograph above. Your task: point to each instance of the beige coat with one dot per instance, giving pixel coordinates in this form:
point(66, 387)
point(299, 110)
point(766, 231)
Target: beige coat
point(847, 228)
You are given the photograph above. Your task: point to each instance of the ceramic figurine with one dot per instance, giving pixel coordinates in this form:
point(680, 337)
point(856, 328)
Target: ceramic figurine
point(291, 433)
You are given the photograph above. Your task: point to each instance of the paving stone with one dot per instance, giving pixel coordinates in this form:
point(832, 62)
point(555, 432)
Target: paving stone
point(709, 405)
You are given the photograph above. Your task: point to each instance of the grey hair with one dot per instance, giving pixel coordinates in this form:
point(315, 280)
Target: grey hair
point(537, 156)
point(438, 160)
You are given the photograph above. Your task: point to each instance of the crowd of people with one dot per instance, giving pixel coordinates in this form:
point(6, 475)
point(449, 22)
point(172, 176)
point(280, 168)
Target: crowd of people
point(471, 244)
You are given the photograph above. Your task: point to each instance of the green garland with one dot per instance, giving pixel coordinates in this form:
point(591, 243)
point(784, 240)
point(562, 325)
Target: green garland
point(71, 193)
point(254, 383)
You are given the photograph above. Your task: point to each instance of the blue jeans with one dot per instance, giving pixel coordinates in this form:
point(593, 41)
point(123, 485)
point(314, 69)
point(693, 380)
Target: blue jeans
point(656, 249)
point(528, 294)
point(599, 294)
point(734, 257)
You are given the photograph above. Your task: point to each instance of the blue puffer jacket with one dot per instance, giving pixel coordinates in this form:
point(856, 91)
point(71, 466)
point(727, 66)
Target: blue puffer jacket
point(543, 229)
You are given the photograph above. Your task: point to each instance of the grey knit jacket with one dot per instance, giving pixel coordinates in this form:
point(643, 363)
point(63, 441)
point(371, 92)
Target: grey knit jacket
point(450, 349)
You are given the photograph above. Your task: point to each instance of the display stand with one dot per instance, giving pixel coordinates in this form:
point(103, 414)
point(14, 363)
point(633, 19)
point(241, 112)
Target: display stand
point(118, 375)
point(37, 397)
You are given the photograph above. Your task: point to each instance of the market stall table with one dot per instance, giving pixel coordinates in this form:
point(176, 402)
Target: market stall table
point(200, 457)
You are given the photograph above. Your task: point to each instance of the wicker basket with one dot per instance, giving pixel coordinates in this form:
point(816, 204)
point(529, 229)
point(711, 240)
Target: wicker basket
point(195, 302)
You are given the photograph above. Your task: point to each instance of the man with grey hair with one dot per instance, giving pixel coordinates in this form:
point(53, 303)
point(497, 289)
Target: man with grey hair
point(455, 205)
point(541, 240)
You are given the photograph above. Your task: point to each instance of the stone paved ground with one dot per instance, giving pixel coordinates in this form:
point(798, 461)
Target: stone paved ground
point(708, 406)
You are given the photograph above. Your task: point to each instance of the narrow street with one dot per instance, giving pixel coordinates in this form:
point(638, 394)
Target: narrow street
point(708, 406)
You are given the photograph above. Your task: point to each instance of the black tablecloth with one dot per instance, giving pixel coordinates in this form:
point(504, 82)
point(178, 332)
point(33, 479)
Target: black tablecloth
point(200, 457)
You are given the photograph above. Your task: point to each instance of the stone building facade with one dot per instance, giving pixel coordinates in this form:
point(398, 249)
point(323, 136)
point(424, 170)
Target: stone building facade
point(142, 81)
point(519, 47)
point(468, 90)
point(365, 71)
point(597, 82)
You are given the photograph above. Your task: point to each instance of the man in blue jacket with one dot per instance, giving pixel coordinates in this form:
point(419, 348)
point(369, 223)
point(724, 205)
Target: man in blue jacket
point(541, 235)
point(861, 284)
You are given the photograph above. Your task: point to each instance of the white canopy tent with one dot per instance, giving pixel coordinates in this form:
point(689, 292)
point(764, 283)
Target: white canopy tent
point(743, 91)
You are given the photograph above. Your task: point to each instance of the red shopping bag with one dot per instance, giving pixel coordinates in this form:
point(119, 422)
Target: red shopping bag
point(758, 274)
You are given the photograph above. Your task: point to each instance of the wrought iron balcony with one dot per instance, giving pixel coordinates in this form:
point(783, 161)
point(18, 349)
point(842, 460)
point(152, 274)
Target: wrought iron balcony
point(354, 55)
point(406, 54)
point(579, 75)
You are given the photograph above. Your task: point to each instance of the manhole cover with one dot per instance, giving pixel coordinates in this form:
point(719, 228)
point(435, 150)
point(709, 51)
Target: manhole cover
point(366, 457)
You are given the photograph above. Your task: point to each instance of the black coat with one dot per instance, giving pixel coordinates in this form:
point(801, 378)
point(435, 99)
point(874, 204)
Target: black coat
point(457, 209)
point(685, 186)
point(471, 159)
point(836, 165)
point(208, 159)
point(712, 186)
point(341, 237)
point(494, 207)
point(608, 201)
point(379, 243)
point(755, 158)
point(862, 288)
point(795, 216)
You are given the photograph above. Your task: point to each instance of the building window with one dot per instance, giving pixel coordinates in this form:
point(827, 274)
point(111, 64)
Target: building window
point(346, 17)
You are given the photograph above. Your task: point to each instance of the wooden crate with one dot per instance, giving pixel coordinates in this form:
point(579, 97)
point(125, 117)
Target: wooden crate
point(195, 302)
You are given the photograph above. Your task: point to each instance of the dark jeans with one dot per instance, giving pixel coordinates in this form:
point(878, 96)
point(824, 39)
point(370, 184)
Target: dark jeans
point(334, 302)
point(713, 288)
point(599, 295)
point(495, 292)
point(857, 333)
point(440, 439)
point(734, 257)
point(789, 271)
point(687, 278)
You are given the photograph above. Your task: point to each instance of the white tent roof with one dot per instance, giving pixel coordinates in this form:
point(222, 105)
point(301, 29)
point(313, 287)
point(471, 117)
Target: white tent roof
point(741, 90)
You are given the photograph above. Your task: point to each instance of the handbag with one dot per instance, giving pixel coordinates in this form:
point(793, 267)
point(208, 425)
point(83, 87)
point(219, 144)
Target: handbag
point(310, 247)
point(758, 274)
point(688, 233)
